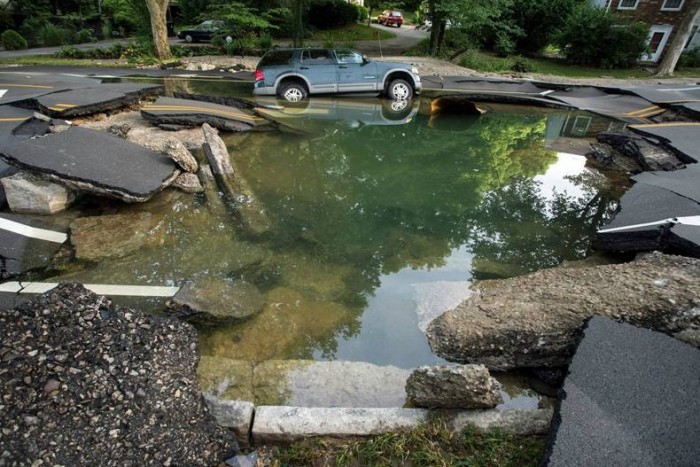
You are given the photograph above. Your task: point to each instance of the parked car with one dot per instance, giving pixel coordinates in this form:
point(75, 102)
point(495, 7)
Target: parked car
point(204, 32)
point(294, 74)
point(390, 18)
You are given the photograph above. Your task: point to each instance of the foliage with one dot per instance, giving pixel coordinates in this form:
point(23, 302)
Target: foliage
point(537, 20)
point(12, 40)
point(351, 33)
point(521, 64)
point(84, 35)
point(192, 9)
point(362, 13)
point(31, 29)
point(242, 20)
point(690, 58)
point(281, 20)
point(593, 36)
point(330, 14)
point(431, 444)
point(128, 16)
point(504, 46)
point(480, 62)
point(52, 36)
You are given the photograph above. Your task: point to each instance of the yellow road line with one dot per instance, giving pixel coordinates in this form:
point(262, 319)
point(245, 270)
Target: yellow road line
point(65, 105)
point(642, 111)
point(25, 86)
point(667, 124)
point(652, 113)
point(13, 119)
point(241, 116)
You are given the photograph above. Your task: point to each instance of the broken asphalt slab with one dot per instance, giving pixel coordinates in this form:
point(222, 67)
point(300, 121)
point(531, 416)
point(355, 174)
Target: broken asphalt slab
point(683, 137)
point(93, 161)
point(187, 112)
point(91, 100)
point(27, 245)
point(667, 93)
point(625, 107)
point(631, 398)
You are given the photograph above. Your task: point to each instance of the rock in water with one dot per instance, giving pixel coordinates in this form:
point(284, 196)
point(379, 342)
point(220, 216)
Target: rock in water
point(229, 179)
point(189, 183)
point(453, 387)
point(31, 195)
point(98, 237)
point(177, 151)
point(536, 320)
point(213, 301)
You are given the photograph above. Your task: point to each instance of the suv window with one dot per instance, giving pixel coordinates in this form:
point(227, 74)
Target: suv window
point(316, 57)
point(277, 57)
point(348, 56)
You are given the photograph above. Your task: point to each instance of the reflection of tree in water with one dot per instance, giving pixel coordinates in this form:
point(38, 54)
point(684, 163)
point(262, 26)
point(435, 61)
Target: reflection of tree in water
point(520, 229)
point(382, 198)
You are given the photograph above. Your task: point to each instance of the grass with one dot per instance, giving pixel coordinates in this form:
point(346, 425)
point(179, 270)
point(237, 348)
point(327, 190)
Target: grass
point(483, 61)
point(53, 61)
point(430, 445)
point(350, 33)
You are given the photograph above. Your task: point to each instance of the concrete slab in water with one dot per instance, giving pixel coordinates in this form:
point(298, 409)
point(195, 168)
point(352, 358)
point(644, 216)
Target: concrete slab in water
point(94, 161)
point(631, 399)
point(684, 137)
point(169, 110)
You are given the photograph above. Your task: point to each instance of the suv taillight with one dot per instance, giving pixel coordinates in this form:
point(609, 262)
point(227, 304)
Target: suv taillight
point(259, 75)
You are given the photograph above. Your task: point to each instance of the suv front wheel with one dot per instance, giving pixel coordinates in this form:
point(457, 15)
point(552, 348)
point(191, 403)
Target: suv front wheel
point(399, 89)
point(293, 92)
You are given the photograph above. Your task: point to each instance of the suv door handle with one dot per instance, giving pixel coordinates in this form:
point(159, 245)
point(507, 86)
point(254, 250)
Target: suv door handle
point(303, 67)
point(343, 66)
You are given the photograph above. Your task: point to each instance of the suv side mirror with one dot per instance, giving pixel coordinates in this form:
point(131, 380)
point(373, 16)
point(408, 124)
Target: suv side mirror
point(365, 59)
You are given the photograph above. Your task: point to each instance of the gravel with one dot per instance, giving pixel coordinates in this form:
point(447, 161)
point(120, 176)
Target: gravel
point(85, 383)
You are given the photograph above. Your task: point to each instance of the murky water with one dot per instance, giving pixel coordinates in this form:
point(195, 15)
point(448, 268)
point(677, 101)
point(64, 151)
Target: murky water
point(378, 220)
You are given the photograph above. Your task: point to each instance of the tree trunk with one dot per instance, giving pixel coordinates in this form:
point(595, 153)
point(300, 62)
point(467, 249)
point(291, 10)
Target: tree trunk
point(298, 23)
point(159, 30)
point(674, 51)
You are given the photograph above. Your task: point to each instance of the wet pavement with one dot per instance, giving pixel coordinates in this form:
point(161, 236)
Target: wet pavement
point(188, 112)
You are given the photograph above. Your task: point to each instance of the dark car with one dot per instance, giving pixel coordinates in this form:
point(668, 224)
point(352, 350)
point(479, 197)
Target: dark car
point(204, 32)
point(293, 74)
point(390, 18)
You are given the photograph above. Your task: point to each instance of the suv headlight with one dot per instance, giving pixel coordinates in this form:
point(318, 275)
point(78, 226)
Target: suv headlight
point(414, 69)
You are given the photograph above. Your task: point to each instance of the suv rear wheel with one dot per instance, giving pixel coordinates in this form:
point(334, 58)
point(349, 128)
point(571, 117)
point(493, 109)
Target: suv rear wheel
point(399, 89)
point(293, 92)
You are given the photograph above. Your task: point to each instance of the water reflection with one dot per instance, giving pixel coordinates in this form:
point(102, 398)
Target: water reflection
point(374, 227)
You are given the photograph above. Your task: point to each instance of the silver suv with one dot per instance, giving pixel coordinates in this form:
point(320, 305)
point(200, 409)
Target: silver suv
point(293, 74)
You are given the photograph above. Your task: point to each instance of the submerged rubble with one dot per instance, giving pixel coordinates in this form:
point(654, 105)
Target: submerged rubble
point(86, 383)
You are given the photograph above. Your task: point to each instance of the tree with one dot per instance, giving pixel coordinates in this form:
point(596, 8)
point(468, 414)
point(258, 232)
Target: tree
point(674, 51)
point(157, 10)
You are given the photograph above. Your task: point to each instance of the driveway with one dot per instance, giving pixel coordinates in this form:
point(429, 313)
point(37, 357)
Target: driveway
point(406, 37)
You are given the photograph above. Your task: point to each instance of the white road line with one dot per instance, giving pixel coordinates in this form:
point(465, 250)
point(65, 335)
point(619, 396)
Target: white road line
point(32, 232)
point(2, 92)
point(687, 220)
point(101, 289)
point(544, 93)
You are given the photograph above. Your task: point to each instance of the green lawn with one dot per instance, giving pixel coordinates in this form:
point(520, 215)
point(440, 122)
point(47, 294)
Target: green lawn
point(483, 61)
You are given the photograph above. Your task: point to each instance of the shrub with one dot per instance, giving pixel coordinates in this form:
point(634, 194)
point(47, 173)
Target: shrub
point(690, 58)
point(12, 40)
point(331, 14)
point(52, 36)
point(592, 36)
point(504, 46)
point(84, 35)
point(241, 46)
point(520, 64)
point(31, 29)
point(362, 13)
point(264, 42)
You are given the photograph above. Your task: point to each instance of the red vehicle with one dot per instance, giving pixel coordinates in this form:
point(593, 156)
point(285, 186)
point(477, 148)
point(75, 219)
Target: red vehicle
point(391, 18)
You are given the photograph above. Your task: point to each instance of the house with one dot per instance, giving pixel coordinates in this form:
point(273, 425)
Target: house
point(663, 16)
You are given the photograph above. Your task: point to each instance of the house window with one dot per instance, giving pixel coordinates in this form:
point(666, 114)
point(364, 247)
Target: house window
point(655, 41)
point(672, 5)
point(627, 5)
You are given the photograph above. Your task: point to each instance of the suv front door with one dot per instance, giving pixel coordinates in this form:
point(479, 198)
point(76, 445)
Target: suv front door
point(320, 69)
point(354, 73)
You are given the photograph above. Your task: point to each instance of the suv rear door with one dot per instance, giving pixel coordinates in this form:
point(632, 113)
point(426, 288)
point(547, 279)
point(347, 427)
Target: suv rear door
point(354, 74)
point(320, 69)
